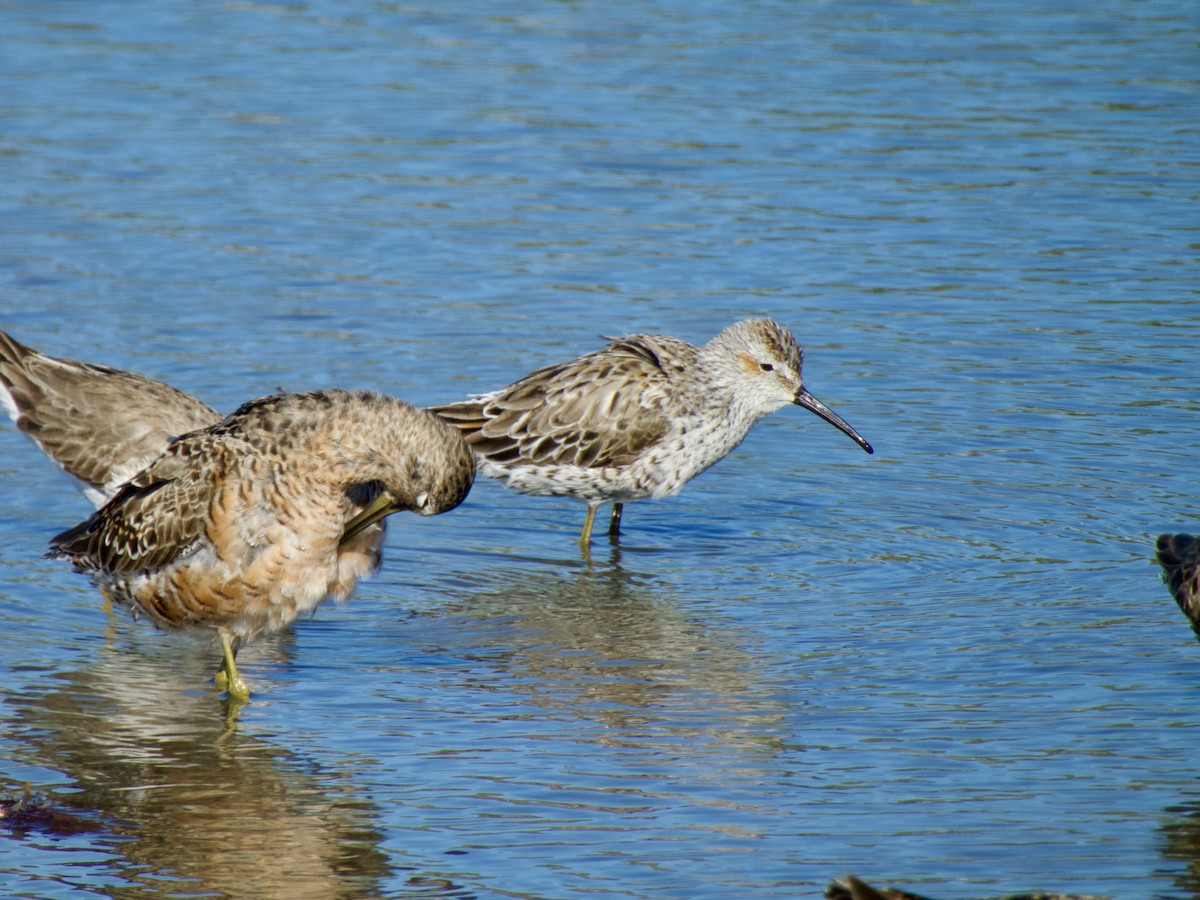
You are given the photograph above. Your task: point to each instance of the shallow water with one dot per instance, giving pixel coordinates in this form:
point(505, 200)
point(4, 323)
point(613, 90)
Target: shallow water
point(950, 665)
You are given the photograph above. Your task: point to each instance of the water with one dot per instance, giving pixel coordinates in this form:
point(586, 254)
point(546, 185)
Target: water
point(950, 665)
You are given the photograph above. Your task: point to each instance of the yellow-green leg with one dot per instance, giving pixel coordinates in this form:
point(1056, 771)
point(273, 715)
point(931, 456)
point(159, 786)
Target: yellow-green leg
point(227, 677)
point(585, 539)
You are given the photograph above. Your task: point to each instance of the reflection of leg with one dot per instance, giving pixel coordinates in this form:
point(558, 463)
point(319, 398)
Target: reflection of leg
point(614, 524)
point(585, 538)
point(227, 677)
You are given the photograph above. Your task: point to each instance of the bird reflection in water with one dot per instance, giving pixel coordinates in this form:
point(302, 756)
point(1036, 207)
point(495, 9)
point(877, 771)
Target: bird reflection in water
point(188, 803)
point(1180, 843)
point(602, 642)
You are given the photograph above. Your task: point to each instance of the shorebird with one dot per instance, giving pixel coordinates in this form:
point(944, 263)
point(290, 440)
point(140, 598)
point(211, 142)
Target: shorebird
point(637, 419)
point(850, 888)
point(246, 524)
point(1179, 556)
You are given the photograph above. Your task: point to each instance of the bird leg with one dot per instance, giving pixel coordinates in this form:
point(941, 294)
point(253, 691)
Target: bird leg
point(227, 677)
point(614, 524)
point(585, 539)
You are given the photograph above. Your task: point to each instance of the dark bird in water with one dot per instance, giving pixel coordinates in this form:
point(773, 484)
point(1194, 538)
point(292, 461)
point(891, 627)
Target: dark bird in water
point(850, 888)
point(1179, 556)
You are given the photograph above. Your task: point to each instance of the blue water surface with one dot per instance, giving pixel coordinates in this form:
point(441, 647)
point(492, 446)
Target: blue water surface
point(950, 666)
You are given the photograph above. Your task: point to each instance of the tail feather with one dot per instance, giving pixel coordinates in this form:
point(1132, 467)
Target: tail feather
point(467, 416)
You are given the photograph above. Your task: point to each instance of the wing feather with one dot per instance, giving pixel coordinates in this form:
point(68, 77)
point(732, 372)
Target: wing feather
point(600, 410)
point(101, 425)
point(1179, 556)
point(154, 518)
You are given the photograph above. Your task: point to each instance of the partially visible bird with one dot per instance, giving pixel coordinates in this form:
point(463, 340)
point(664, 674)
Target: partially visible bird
point(245, 525)
point(1179, 556)
point(105, 426)
point(851, 888)
point(101, 425)
point(637, 419)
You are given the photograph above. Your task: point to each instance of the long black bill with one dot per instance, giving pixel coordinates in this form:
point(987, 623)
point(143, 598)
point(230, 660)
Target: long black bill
point(812, 404)
point(379, 508)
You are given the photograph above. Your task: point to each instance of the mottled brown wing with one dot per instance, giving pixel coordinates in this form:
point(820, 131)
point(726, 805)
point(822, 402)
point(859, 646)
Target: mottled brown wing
point(156, 516)
point(850, 888)
point(97, 423)
point(603, 409)
point(1179, 556)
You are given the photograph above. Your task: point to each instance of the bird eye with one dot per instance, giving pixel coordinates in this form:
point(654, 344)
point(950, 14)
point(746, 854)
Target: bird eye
point(766, 367)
